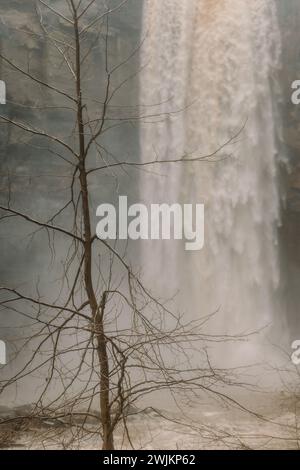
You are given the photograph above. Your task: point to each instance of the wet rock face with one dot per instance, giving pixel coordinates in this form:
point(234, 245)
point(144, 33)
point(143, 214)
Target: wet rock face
point(24, 42)
point(28, 165)
point(289, 18)
point(294, 190)
point(292, 142)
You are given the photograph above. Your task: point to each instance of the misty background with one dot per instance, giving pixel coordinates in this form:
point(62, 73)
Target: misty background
point(37, 182)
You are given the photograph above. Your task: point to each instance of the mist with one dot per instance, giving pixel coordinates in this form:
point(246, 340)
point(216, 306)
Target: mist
point(193, 102)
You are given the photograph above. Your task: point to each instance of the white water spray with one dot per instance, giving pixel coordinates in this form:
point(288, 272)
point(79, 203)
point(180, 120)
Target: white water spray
point(208, 80)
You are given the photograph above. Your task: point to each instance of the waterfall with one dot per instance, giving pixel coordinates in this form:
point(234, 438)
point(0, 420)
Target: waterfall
point(209, 69)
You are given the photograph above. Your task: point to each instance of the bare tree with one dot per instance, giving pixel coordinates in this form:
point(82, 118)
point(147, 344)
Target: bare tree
point(105, 337)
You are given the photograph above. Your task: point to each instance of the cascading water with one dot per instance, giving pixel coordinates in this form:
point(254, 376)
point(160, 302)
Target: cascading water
point(209, 68)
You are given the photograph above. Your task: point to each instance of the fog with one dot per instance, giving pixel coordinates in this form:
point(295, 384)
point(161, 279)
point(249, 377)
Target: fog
point(201, 113)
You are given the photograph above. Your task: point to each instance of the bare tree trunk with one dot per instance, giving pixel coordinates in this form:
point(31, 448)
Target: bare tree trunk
point(108, 443)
